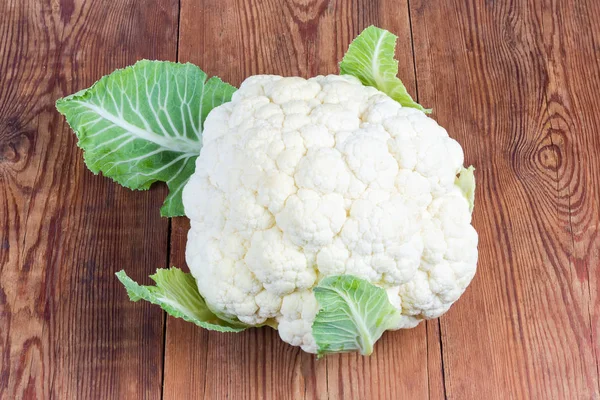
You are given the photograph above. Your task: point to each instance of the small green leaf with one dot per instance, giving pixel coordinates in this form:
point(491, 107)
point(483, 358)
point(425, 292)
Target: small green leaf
point(466, 182)
point(143, 124)
point(370, 58)
point(176, 293)
point(353, 314)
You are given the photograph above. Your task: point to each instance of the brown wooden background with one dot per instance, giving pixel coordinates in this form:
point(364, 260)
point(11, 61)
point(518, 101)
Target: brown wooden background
point(517, 82)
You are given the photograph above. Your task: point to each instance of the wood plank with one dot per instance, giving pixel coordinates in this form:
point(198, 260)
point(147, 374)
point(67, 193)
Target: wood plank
point(571, 36)
point(435, 366)
point(235, 39)
point(516, 85)
point(67, 329)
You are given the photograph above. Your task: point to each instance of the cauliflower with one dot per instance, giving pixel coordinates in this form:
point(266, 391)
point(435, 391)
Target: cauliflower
point(301, 179)
point(331, 209)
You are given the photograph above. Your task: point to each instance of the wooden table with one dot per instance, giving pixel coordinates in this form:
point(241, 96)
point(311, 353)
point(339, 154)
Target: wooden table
point(516, 82)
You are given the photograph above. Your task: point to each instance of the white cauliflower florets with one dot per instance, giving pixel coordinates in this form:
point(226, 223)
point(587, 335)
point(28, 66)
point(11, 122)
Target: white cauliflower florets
point(301, 179)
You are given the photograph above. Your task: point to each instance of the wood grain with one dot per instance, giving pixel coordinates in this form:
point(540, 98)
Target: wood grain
point(67, 330)
point(521, 77)
point(516, 83)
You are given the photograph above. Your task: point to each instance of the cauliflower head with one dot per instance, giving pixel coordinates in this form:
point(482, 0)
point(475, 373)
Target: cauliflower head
point(300, 179)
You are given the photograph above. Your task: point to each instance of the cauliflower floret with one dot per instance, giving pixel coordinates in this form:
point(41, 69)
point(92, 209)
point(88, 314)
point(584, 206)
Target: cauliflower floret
point(298, 311)
point(278, 264)
point(302, 179)
point(311, 220)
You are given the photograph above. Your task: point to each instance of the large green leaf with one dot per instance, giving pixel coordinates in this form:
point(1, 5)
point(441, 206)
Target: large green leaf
point(370, 58)
point(143, 124)
point(176, 293)
point(353, 314)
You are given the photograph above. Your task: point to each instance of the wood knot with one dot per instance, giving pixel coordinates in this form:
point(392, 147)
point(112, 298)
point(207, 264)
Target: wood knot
point(549, 154)
point(307, 11)
point(15, 144)
point(550, 157)
point(15, 150)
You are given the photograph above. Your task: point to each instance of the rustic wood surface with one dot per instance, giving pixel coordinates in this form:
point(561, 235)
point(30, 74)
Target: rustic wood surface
point(517, 83)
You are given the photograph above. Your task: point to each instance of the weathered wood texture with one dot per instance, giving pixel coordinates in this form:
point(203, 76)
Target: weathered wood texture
point(516, 83)
point(67, 329)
